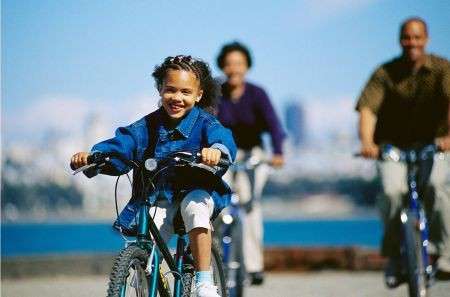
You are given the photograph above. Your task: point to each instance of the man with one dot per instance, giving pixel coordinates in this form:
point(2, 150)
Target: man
point(405, 102)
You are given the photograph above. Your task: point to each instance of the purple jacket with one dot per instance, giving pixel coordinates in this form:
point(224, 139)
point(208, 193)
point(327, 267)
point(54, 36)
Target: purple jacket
point(250, 117)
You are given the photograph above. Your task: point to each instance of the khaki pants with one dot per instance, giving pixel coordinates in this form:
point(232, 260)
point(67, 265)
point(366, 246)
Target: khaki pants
point(437, 204)
point(249, 185)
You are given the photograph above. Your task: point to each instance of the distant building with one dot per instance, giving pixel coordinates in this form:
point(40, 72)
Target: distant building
point(295, 123)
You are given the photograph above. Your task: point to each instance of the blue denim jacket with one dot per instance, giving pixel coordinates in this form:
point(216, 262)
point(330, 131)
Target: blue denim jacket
point(197, 130)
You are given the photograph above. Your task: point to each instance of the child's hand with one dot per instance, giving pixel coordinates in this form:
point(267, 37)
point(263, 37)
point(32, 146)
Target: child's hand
point(211, 156)
point(79, 159)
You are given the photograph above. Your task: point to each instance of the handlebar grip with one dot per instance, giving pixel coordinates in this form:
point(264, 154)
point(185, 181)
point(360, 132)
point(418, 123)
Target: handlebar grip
point(224, 162)
point(96, 157)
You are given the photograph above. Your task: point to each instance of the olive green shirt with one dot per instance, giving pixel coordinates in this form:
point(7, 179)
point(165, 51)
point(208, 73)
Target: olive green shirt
point(411, 108)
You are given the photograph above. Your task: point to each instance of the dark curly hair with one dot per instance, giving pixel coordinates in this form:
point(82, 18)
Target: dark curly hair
point(231, 47)
point(201, 71)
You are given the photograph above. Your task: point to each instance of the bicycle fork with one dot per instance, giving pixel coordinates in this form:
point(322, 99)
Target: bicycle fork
point(417, 213)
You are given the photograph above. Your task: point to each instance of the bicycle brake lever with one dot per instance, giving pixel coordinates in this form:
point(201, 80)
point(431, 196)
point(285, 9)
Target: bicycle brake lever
point(83, 168)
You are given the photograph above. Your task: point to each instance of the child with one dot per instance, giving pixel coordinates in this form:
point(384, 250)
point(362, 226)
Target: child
point(186, 88)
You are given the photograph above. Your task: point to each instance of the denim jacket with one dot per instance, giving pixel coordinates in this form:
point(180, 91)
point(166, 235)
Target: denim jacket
point(197, 130)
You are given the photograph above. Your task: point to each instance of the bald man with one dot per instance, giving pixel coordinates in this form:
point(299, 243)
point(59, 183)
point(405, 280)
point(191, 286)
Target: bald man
point(406, 102)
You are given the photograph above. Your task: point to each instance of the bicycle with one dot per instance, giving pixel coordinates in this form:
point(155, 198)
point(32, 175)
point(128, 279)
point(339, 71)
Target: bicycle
point(416, 266)
point(138, 269)
point(230, 231)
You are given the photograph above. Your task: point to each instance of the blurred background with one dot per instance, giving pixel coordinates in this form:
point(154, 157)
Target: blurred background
point(74, 70)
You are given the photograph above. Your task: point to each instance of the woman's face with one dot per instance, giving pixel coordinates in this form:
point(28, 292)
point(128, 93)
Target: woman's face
point(235, 67)
point(179, 93)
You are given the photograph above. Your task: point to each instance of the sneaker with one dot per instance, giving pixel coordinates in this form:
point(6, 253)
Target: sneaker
point(256, 278)
point(206, 290)
point(392, 273)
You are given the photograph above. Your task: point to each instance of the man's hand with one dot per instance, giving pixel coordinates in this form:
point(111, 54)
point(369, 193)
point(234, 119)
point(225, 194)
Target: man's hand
point(277, 161)
point(211, 156)
point(443, 143)
point(370, 150)
point(79, 160)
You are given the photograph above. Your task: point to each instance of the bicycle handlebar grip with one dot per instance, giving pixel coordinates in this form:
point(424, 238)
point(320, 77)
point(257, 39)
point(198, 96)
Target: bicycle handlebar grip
point(224, 162)
point(95, 157)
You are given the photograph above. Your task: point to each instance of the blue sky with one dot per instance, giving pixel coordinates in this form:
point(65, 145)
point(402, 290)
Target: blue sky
point(102, 52)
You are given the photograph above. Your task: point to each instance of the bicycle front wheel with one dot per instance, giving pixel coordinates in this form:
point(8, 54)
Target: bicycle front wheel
point(416, 275)
point(217, 274)
point(128, 277)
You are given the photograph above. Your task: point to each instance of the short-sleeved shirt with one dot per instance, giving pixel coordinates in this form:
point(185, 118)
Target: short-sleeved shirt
point(410, 107)
point(249, 117)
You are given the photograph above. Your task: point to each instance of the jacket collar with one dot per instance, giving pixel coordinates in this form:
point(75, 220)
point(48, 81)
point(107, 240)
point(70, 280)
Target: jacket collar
point(184, 127)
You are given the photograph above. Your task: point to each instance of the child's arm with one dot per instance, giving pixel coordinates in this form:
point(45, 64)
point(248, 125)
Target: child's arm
point(220, 141)
point(124, 143)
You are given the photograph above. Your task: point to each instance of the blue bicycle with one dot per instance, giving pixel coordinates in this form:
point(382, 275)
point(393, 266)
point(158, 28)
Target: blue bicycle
point(416, 267)
point(144, 267)
point(230, 231)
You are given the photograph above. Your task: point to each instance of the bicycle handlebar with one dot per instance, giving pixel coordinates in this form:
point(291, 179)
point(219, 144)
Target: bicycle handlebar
point(99, 159)
point(392, 153)
point(249, 164)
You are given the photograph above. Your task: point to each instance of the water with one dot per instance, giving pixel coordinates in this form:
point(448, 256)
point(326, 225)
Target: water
point(87, 238)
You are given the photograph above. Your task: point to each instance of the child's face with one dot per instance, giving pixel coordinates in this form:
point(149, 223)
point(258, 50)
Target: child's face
point(179, 93)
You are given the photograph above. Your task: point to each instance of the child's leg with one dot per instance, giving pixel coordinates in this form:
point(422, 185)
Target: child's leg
point(200, 239)
point(196, 209)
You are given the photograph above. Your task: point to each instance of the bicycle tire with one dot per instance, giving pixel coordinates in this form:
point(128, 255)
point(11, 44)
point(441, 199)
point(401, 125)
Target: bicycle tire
point(217, 274)
point(415, 272)
point(128, 276)
point(237, 277)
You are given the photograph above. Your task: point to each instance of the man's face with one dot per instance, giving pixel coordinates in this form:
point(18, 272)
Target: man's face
point(413, 40)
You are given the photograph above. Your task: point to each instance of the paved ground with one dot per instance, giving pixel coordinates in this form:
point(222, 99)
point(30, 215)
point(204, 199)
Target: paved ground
point(326, 284)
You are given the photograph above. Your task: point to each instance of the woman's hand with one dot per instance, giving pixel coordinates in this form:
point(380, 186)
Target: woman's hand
point(79, 160)
point(277, 161)
point(211, 156)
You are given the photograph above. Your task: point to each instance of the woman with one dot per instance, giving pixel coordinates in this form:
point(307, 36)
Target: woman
point(246, 110)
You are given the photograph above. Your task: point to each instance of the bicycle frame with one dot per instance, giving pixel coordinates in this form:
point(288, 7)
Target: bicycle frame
point(147, 227)
point(412, 209)
point(231, 229)
point(416, 208)
point(148, 238)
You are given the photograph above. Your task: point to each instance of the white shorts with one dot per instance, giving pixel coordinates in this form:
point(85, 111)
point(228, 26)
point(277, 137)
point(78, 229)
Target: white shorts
point(196, 210)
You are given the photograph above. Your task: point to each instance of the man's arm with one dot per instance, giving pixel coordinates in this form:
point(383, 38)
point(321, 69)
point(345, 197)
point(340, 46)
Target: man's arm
point(368, 104)
point(444, 142)
point(367, 122)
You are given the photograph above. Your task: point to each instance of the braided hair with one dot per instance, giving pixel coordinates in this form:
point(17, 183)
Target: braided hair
point(201, 71)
